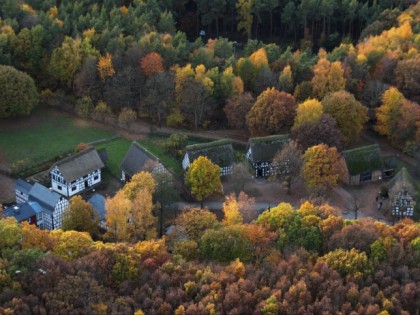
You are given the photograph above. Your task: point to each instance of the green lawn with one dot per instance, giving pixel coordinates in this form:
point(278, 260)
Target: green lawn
point(154, 144)
point(116, 150)
point(44, 135)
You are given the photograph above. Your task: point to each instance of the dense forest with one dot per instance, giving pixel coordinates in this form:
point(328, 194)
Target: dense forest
point(284, 261)
point(127, 59)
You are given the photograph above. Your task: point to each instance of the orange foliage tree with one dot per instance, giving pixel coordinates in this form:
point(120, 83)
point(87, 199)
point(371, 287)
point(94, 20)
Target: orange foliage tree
point(272, 113)
point(151, 63)
point(105, 67)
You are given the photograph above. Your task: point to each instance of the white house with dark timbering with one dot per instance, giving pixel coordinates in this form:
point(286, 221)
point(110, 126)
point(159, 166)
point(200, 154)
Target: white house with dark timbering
point(76, 173)
point(219, 152)
point(261, 152)
point(138, 159)
point(38, 205)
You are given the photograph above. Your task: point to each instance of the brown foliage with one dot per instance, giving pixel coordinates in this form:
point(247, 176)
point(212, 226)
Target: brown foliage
point(151, 63)
point(237, 108)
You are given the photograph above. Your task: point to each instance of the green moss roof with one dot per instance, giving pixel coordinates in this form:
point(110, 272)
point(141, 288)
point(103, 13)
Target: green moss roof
point(220, 152)
point(263, 149)
point(363, 159)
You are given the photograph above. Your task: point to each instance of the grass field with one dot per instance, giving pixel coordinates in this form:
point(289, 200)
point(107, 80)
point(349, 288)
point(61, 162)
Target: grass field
point(44, 135)
point(116, 150)
point(154, 144)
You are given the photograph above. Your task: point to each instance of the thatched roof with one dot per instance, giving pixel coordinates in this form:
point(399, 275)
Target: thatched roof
point(363, 159)
point(220, 152)
point(263, 149)
point(79, 164)
point(402, 181)
point(136, 159)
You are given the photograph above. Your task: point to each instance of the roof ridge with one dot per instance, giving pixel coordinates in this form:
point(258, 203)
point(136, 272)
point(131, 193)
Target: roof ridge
point(75, 155)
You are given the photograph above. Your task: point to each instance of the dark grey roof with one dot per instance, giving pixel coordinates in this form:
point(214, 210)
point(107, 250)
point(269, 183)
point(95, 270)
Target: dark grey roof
point(220, 152)
point(23, 211)
point(98, 203)
point(402, 181)
point(23, 186)
point(263, 149)
point(47, 199)
point(79, 164)
point(136, 159)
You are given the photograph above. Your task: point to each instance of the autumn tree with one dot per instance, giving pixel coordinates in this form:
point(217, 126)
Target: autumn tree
point(328, 77)
point(248, 72)
point(245, 17)
point(408, 79)
point(323, 168)
point(308, 112)
point(231, 211)
point(19, 95)
point(272, 113)
point(237, 108)
point(105, 67)
point(142, 221)
point(80, 216)
point(389, 113)
point(277, 217)
point(126, 117)
point(352, 262)
point(117, 215)
point(240, 176)
point(152, 63)
point(286, 80)
point(139, 181)
point(196, 221)
point(322, 131)
point(10, 233)
point(230, 84)
point(349, 114)
point(203, 179)
point(287, 164)
point(72, 244)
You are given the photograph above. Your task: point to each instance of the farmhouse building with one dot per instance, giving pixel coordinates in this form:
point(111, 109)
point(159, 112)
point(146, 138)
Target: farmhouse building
point(76, 173)
point(367, 164)
point(138, 159)
point(402, 194)
point(38, 205)
point(219, 152)
point(261, 152)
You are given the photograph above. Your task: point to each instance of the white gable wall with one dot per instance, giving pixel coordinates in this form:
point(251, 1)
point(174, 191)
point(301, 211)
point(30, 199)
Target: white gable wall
point(59, 184)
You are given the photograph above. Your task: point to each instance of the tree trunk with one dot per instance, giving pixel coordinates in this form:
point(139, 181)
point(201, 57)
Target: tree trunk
point(271, 23)
point(201, 204)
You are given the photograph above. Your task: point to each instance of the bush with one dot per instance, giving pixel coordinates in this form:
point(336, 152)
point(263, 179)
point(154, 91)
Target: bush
point(84, 107)
point(175, 144)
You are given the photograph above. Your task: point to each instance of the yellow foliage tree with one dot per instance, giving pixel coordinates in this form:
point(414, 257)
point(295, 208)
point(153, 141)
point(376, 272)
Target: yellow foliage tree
point(388, 114)
point(231, 211)
point(259, 59)
point(72, 244)
point(105, 67)
point(142, 221)
point(328, 77)
point(245, 17)
point(323, 168)
point(117, 213)
point(142, 180)
point(308, 112)
point(203, 178)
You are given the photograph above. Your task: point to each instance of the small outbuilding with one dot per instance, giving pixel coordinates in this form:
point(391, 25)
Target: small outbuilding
point(261, 152)
point(367, 164)
point(77, 172)
point(402, 194)
point(138, 159)
point(219, 152)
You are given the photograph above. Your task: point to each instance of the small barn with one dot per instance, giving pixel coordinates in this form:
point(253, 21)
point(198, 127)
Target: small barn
point(219, 152)
point(364, 164)
point(138, 159)
point(261, 152)
point(28, 212)
point(402, 193)
point(76, 173)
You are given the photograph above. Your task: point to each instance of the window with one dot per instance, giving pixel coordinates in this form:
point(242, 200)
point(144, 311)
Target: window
point(96, 178)
point(73, 188)
point(59, 187)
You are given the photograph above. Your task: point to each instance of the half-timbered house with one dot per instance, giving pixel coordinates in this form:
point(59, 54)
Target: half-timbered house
point(41, 205)
point(219, 152)
point(76, 173)
point(261, 152)
point(402, 194)
point(367, 164)
point(138, 159)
